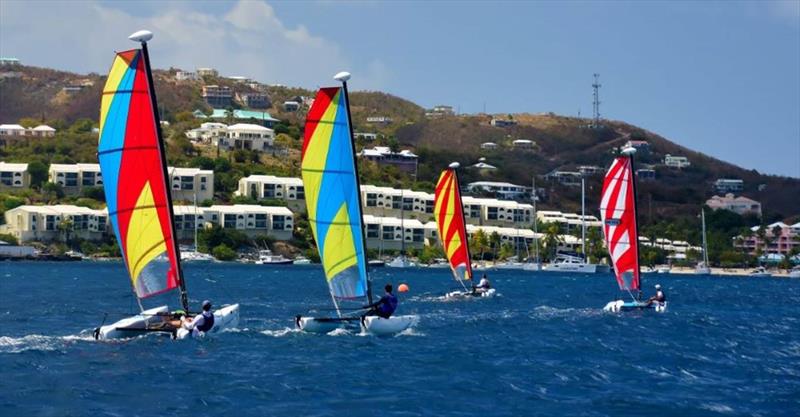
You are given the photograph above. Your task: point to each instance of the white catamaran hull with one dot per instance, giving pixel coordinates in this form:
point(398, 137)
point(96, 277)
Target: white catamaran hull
point(620, 306)
point(566, 267)
point(225, 318)
point(380, 326)
point(132, 326)
point(149, 321)
point(323, 325)
point(466, 294)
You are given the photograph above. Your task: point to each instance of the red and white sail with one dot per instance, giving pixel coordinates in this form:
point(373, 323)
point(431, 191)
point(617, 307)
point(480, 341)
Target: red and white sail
point(618, 212)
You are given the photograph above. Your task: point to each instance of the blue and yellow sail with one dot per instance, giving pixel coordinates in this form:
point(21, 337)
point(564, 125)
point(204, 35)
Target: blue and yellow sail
point(133, 177)
point(332, 194)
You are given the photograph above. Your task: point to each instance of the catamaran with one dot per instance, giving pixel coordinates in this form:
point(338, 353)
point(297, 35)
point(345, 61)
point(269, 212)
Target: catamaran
point(621, 231)
point(134, 166)
point(333, 201)
point(702, 267)
point(449, 213)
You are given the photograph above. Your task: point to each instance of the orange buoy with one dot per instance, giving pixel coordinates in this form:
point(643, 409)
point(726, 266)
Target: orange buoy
point(402, 288)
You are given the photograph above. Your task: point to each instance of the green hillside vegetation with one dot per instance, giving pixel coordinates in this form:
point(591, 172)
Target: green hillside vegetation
point(669, 205)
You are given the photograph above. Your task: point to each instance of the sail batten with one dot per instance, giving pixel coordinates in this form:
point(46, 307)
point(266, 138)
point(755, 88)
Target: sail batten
point(133, 179)
point(449, 215)
point(618, 214)
point(332, 194)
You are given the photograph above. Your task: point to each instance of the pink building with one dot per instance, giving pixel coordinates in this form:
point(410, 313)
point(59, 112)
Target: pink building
point(782, 243)
point(739, 205)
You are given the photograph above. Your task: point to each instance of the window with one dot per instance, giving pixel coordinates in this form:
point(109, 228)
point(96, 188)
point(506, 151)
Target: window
point(278, 222)
point(88, 179)
point(388, 232)
point(396, 202)
point(373, 231)
point(71, 179)
point(491, 213)
point(372, 200)
point(269, 190)
point(187, 183)
point(301, 193)
point(418, 235)
point(261, 221)
point(50, 223)
point(6, 178)
point(189, 222)
point(229, 221)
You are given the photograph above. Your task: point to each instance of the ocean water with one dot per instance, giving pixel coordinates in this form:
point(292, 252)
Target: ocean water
point(728, 346)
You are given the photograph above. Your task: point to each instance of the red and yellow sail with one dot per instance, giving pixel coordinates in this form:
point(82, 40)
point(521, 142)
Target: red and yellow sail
point(449, 213)
point(133, 177)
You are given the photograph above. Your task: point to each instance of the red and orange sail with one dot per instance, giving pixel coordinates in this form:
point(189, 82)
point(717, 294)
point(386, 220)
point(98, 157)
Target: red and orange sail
point(133, 177)
point(449, 213)
point(618, 212)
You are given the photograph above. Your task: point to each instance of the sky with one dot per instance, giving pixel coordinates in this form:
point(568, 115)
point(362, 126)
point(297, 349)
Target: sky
point(722, 78)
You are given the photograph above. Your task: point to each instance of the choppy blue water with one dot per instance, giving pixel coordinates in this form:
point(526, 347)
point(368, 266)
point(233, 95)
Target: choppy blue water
point(727, 346)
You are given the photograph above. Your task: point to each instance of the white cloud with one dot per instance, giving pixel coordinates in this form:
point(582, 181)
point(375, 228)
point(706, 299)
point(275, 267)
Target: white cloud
point(248, 40)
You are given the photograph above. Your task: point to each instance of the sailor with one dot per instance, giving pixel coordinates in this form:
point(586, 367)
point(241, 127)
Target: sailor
point(202, 322)
point(659, 298)
point(384, 307)
point(482, 286)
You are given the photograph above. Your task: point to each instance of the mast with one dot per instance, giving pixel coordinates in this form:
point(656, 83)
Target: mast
point(629, 152)
point(583, 219)
point(343, 77)
point(705, 244)
point(402, 228)
point(535, 220)
point(454, 166)
point(143, 37)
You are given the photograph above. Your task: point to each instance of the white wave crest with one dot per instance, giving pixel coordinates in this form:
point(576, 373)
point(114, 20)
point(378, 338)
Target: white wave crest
point(36, 342)
point(281, 332)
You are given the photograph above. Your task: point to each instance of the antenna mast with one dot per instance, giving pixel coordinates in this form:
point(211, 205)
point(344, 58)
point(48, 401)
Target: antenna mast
point(596, 101)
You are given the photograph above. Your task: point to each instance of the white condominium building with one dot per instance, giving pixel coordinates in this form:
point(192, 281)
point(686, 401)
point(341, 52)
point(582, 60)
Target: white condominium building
point(14, 176)
point(53, 223)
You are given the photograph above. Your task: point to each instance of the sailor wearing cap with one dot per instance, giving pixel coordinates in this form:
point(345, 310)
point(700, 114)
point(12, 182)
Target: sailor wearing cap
point(659, 298)
point(202, 322)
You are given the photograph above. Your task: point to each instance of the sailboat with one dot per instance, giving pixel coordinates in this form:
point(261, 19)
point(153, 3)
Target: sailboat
point(333, 201)
point(573, 261)
point(401, 261)
point(536, 263)
point(449, 213)
point(702, 267)
point(133, 162)
point(621, 231)
point(192, 254)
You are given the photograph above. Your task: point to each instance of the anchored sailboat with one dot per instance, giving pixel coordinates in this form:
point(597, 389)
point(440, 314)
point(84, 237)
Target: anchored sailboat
point(449, 213)
point(621, 231)
point(333, 200)
point(133, 162)
point(702, 267)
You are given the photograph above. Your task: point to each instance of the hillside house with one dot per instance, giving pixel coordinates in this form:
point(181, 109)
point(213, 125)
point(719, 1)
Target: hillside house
point(503, 122)
point(739, 205)
point(725, 185)
point(74, 177)
point(189, 184)
point(439, 111)
point(782, 243)
point(676, 161)
point(366, 136)
point(503, 190)
point(379, 119)
point(291, 106)
point(645, 174)
point(217, 96)
point(587, 170)
point(404, 160)
point(523, 144)
point(186, 76)
point(252, 220)
point(269, 187)
point(14, 176)
point(207, 72)
point(246, 136)
point(570, 178)
point(254, 100)
point(15, 130)
point(55, 223)
point(483, 166)
point(489, 146)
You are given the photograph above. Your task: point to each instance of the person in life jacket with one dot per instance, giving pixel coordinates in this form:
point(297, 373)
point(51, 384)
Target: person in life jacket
point(202, 322)
point(483, 286)
point(384, 307)
point(659, 297)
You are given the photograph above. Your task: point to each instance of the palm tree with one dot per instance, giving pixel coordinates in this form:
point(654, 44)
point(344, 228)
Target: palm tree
point(552, 239)
point(494, 243)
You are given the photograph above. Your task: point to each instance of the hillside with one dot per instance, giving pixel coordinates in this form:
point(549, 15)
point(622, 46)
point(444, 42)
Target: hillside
point(562, 143)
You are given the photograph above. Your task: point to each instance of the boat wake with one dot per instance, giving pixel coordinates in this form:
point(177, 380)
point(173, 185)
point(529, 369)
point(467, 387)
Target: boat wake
point(281, 332)
point(40, 343)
